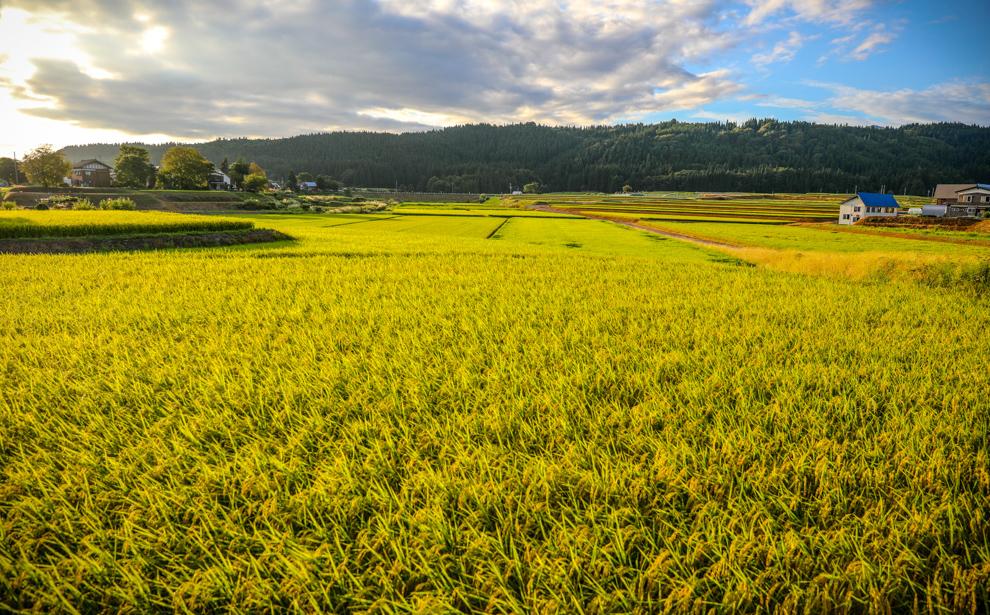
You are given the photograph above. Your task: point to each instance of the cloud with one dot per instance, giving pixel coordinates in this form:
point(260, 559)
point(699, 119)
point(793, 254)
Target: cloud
point(222, 68)
point(835, 11)
point(954, 101)
point(783, 51)
point(872, 43)
point(866, 39)
point(701, 90)
point(738, 118)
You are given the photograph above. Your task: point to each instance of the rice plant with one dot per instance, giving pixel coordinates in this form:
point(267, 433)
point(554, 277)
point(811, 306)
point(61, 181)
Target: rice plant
point(381, 418)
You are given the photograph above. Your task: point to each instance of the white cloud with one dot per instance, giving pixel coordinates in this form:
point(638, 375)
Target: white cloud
point(716, 116)
point(783, 51)
point(872, 43)
point(836, 11)
point(954, 101)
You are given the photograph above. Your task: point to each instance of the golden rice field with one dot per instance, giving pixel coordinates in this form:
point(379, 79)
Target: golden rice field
point(484, 414)
point(30, 223)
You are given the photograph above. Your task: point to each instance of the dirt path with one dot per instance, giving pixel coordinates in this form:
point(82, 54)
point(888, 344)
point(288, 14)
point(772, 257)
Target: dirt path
point(642, 227)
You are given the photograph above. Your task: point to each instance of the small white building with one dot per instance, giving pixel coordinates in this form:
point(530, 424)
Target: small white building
point(868, 205)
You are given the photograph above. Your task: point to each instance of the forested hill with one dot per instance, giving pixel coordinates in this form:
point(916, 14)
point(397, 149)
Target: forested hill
point(758, 155)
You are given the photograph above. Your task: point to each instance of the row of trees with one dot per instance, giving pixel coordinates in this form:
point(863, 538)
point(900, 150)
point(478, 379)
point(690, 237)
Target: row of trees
point(758, 156)
point(182, 168)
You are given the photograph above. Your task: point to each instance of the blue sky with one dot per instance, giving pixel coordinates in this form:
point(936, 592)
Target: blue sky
point(190, 70)
point(919, 48)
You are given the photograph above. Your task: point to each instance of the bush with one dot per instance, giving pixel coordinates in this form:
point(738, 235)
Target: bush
point(83, 205)
point(118, 204)
point(59, 201)
point(8, 205)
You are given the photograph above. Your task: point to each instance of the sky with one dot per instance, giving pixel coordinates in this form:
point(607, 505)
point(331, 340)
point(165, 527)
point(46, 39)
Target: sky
point(85, 71)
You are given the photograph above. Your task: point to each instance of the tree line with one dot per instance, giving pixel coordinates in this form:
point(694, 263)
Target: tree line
point(760, 155)
point(181, 168)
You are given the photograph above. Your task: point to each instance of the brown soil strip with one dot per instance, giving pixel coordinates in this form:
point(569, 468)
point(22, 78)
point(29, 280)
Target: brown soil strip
point(164, 241)
point(649, 229)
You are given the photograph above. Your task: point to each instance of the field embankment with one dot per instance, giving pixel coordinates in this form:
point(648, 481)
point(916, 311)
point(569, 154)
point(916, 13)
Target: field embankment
point(165, 200)
point(37, 232)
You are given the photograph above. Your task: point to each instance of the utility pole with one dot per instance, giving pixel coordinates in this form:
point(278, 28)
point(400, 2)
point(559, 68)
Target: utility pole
point(16, 181)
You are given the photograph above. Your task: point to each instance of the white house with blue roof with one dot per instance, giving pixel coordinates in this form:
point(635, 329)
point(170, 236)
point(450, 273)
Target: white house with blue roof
point(868, 205)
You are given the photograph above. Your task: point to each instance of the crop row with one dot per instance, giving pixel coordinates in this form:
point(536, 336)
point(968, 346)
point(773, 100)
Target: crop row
point(30, 224)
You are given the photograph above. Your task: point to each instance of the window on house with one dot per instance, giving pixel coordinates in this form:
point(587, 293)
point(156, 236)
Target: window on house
point(845, 216)
point(856, 209)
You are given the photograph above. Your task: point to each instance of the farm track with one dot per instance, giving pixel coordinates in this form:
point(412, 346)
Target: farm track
point(687, 238)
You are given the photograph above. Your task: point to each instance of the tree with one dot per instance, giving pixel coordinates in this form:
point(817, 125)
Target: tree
point(304, 177)
point(255, 182)
point(237, 172)
point(627, 189)
point(291, 182)
point(325, 182)
point(8, 170)
point(532, 188)
point(46, 167)
point(133, 167)
point(255, 169)
point(225, 166)
point(184, 168)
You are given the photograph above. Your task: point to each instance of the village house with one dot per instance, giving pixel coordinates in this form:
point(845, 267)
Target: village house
point(868, 205)
point(945, 194)
point(307, 186)
point(961, 200)
point(972, 202)
point(219, 180)
point(91, 174)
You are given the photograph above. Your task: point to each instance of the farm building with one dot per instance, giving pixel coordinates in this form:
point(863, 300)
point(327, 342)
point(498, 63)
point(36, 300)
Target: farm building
point(219, 181)
point(91, 174)
point(307, 186)
point(945, 194)
point(971, 202)
point(868, 205)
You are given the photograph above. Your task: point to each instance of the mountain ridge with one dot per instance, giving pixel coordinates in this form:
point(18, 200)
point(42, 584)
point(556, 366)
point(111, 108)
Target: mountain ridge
point(759, 155)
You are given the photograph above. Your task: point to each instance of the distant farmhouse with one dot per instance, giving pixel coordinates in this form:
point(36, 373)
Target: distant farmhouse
point(219, 180)
point(91, 174)
point(307, 186)
point(868, 205)
point(960, 201)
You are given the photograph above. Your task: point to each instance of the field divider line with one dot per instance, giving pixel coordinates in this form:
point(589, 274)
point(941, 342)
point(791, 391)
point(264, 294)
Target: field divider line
point(362, 221)
point(498, 228)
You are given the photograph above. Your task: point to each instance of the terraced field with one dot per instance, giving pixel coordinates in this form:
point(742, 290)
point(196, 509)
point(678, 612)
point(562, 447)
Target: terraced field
point(780, 208)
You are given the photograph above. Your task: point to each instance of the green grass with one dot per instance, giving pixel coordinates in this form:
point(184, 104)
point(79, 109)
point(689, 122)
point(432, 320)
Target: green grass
point(32, 224)
point(599, 237)
point(385, 417)
point(479, 227)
